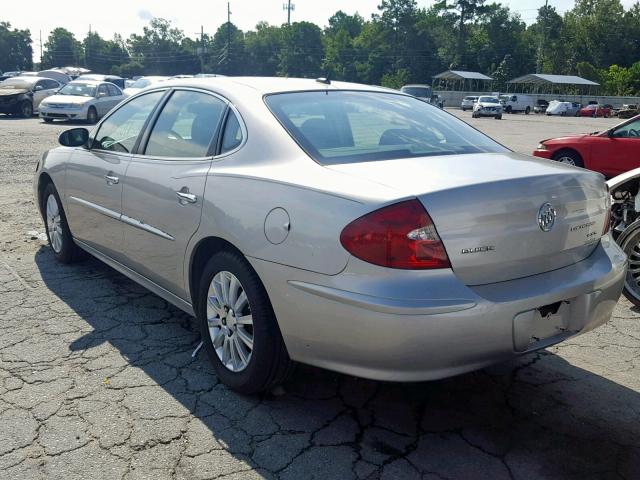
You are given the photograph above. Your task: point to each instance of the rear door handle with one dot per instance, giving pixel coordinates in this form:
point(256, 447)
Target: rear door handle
point(186, 197)
point(111, 180)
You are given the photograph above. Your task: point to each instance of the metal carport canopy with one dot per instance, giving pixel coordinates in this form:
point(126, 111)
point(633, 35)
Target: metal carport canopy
point(544, 79)
point(461, 75)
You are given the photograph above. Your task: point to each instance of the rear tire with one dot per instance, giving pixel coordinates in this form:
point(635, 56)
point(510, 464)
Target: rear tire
point(60, 239)
point(498, 117)
point(47, 120)
point(266, 363)
point(569, 157)
point(508, 109)
point(527, 110)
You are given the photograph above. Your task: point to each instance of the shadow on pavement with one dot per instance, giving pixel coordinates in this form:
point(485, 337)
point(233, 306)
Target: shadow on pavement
point(536, 417)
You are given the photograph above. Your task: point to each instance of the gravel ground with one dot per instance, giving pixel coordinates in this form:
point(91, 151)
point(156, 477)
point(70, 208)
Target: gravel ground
point(97, 381)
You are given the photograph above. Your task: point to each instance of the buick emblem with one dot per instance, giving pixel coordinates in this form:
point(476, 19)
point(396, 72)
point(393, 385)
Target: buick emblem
point(546, 217)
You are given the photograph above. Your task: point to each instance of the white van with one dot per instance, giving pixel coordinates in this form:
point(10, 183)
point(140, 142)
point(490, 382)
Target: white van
point(517, 103)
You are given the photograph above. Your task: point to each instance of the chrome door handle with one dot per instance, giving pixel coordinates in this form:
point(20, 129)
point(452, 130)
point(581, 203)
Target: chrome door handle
point(111, 180)
point(187, 197)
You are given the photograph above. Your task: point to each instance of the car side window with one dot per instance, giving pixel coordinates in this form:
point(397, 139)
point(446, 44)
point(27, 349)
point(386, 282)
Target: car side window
point(51, 84)
point(102, 91)
point(630, 130)
point(42, 84)
point(232, 137)
point(186, 126)
point(119, 132)
point(113, 90)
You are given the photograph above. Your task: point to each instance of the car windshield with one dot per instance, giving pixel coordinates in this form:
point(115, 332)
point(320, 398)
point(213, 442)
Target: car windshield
point(470, 98)
point(336, 127)
point(141, 83)
point(78, 89)
point(489, 100)
point(422, 92)
point(15, 83)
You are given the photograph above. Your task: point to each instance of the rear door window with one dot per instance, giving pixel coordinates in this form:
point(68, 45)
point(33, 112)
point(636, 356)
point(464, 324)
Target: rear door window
point(232, 137)
point(186, 126)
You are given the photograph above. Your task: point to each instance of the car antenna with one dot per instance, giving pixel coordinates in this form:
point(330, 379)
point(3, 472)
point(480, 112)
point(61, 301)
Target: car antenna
point(326, 80)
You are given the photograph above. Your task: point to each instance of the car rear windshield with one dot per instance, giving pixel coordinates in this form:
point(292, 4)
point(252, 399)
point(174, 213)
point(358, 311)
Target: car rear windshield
point(347, 127)
point(489, 100)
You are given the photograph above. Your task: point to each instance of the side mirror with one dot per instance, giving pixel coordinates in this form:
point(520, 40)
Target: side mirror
point(101, 94)
point(76, 137)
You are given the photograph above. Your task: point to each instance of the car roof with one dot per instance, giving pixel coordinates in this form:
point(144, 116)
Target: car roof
point(28, 79)
point(269, 85)
point(87, 81)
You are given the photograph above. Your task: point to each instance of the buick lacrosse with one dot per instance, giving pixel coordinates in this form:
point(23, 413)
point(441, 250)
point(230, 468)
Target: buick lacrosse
point(350, 227)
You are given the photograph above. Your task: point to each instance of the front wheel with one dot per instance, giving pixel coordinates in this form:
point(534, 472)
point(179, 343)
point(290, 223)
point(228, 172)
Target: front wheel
point(629, 241)
point(92, 116)
point(26, 109)
point(498, 117)
point(569, 157)
point(64, 248)
point(527, 110)
point(238, 326)
point(47, 120)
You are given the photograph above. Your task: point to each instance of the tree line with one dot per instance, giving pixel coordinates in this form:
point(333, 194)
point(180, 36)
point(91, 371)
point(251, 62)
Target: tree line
point(401, 43)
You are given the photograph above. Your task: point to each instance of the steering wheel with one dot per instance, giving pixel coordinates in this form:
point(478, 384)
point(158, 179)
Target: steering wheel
point(176, 134)
point(632, 132)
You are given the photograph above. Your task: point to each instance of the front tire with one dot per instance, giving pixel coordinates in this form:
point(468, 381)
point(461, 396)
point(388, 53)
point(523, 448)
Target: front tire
point(47, 120)
point(64, 248)
point(25, 110)
point(499, 117)
point(92, 116)
point(569, 157)
point(527, 110)
point(238, 326)
point(629, 241)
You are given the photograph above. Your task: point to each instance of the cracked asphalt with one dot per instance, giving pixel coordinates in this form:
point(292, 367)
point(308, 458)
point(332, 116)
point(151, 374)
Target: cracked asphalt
point(97, 381)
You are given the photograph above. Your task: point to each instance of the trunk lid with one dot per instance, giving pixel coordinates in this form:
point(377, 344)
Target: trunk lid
point(486, 209)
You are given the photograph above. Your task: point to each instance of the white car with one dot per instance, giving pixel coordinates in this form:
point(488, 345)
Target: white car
point(142, 82)
point(564, 109)
point(81, 100)
point(487, 106)
point(517, 103)
point(468, 103)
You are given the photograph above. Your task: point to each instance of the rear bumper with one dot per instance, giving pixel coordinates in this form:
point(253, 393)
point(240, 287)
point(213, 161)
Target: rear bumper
point(411, 326)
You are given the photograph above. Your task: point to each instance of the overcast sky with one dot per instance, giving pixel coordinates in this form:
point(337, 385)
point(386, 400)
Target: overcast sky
point(128, 16)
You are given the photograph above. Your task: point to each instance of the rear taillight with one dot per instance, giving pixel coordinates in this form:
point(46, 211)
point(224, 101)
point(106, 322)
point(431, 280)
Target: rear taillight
point(398, 236)
point(607, 217)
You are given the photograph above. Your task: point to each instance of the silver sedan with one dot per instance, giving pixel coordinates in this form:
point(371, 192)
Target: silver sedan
point(345, 226)
point(87, 100)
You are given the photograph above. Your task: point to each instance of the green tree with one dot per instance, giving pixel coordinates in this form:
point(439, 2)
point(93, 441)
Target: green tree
point(102, 55)
point(62, 49)
point(340, 50)
point(227, 48)
point(16, 52)
point(163, 49)
point(463, 12)
point(262, 47)
point(302, 51)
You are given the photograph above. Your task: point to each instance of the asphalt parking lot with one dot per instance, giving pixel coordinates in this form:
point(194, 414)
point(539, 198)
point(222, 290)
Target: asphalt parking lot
point(97, 380)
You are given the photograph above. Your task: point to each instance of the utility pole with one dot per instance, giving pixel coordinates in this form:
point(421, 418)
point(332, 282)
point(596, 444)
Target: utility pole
point(201, 50)
point(40, 49)
point(289, 7)
point(543, 40)
point(88, 51)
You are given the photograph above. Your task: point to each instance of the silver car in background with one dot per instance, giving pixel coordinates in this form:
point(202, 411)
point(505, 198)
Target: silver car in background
point(345, 226)
point(81, 100)
point(468, 103)
point(487, 106)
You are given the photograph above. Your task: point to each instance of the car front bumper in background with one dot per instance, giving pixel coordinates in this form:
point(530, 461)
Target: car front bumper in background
point(63, 113)
point(548, 154)
point(403, 325)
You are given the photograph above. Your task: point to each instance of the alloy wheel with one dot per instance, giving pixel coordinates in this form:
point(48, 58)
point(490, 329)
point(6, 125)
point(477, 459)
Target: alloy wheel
point(230, 322)
point(632, 280)
point(567, 161)
point(54, 224)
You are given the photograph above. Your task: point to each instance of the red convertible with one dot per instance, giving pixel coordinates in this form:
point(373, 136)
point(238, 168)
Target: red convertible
point(611, 152)
point(595, 111)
